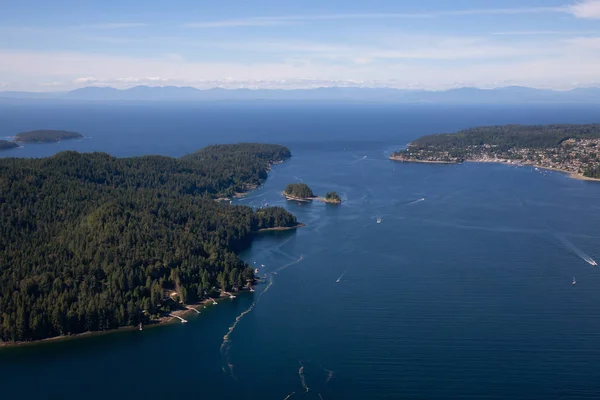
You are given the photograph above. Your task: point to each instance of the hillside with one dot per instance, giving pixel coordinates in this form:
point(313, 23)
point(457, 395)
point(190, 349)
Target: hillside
point(570, 148)
point(93, 242)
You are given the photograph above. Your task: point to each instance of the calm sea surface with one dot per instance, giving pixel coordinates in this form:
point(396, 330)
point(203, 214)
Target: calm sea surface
point(463, 291)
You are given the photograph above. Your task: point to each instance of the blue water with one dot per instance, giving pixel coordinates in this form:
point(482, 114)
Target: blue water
point(466, 294)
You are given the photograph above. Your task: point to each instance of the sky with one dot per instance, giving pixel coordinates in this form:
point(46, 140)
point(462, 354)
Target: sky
point(427, 44)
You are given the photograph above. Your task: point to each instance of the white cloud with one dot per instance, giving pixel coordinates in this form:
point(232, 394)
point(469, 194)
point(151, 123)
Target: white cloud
point(87, 81)
point(53, 84)
point(575, 60)
point(588, 9)
point(112, 25)
point(289, 19)
point(407, 47)
point(251, 22)
point(398, 61)
point(546, 33)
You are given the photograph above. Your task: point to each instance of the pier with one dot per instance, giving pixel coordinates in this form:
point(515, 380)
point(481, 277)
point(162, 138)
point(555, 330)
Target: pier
point(183, 321)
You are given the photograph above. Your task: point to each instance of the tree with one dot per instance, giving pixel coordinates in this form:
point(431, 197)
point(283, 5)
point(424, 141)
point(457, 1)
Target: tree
point(300, 190)
point(333, 197)
point(89, 241)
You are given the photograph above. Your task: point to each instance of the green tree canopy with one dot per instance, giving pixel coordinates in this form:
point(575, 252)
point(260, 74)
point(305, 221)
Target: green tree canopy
point(94, 242)
point(300, 190)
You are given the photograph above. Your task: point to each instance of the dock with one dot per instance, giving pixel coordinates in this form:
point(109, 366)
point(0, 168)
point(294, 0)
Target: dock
point(183, 321)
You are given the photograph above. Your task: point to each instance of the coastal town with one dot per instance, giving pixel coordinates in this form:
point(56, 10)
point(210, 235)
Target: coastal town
point(579, 157)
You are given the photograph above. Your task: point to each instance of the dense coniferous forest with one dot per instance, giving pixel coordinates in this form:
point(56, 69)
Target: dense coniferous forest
point(300, 190)
point(46, 135)
point(5, 145)
point(508, 136)
point(93, 242)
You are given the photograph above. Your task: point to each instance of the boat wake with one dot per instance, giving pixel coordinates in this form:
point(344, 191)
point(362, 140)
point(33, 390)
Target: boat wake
point(416, 201)
point(226, 344)
point(340, 278)
point(289, 396)
point(575, 250)
point(250, 198)
point(329, 374)
point(301, 375)
point(359, 159)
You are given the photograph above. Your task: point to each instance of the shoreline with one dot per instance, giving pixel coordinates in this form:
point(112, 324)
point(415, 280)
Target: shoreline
point(164, 320)
point(573, 175)
point(423, 161)
point(324, 200)
point(250, 187)
point(294, 198)
point(280, 228)
point(309, 199)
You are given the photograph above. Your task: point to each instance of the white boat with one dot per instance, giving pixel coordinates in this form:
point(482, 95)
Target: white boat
point(574, 281)
point(378, 220)
point(231, 296)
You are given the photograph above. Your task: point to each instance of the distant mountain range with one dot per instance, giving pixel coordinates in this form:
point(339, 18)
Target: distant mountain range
point(503, 95)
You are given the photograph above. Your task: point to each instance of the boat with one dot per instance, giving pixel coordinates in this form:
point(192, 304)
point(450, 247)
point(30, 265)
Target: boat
point(574, 281)
point(140, 326)
point(378, 220)
point(231, 296)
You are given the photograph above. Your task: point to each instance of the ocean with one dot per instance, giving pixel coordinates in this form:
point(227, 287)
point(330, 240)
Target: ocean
point(462, 291)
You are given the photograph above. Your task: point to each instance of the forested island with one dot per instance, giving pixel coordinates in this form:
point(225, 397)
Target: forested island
point(6, 144)
point(298, 191)
point(302, 192)
point(333, 197)
point(91, 242)
point(46, 136)
point(574, 149)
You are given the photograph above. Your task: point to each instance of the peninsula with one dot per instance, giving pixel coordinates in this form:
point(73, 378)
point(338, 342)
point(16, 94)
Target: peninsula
point(6, 144)
point(302, 192)
point(46, 136)
point(574, 149)
point(110, 242)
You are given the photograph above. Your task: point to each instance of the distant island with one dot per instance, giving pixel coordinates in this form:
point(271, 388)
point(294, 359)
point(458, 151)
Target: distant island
point(574, 149)
point(6, 144)
point(46, 136)
point(302, 192)
point(39, 136)
point(109, 242)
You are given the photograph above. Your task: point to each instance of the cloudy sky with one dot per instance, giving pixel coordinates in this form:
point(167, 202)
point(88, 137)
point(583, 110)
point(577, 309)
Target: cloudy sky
point(433, 44)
